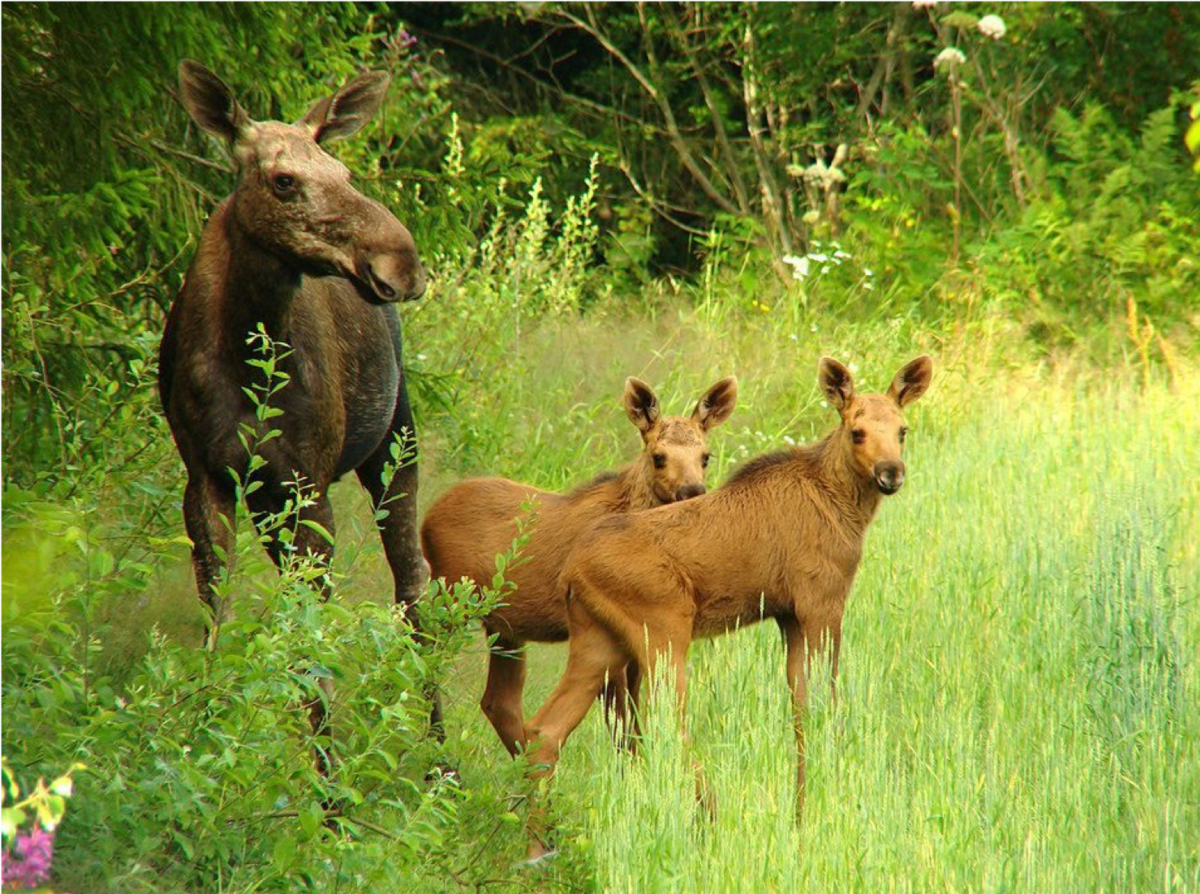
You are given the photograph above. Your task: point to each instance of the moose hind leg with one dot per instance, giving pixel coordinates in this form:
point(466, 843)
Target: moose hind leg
point(393, 491)
point(209, 514)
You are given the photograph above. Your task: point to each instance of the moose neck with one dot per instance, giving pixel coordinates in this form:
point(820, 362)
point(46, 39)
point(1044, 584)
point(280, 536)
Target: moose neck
point(261, 286)
point(856, 496)
point(636, 492)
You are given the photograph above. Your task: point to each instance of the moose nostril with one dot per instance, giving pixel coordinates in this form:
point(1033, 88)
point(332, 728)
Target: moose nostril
point(688, 491)
point(377, 283)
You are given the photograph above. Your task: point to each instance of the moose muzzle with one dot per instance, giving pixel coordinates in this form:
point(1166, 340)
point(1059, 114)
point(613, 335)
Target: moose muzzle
point(889, 476)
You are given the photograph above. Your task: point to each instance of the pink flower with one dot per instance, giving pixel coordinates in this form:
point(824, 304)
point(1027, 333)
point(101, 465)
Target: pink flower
point(29, 864)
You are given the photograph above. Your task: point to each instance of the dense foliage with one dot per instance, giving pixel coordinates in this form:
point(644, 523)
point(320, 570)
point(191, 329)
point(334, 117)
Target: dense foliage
point(589, 185)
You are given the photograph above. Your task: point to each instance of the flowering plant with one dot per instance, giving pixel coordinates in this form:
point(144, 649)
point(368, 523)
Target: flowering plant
point(25, 856)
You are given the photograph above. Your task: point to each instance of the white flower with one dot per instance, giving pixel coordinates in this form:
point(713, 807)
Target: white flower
point(812, 328)
point(867, 271)
point(992, 26)
point(422, 357)
point(792, 337)
point(790, 440)
point(839, 255)
point(951, 57)
point(854, 368)
point(818, 257)
point(799, 266)
point(924, 4)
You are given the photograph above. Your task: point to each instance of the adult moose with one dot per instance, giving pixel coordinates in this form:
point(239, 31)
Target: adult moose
point(781, 539)
point(298, 250)
point(475, 520)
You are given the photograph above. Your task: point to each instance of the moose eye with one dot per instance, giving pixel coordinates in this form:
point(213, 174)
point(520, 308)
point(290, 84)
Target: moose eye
point(660, 461)
point(858, 435)
point(283, 183)
point(704, 460)
point(903, 433)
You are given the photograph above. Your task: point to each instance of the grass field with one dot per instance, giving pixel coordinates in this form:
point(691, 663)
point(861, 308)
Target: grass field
point(1018, 686)
point(1018, 682)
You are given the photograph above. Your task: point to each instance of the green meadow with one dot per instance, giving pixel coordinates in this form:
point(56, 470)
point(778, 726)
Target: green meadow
point(677, 192)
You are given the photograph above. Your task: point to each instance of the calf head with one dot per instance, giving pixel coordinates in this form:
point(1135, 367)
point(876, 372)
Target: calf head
point(873, 427)
point(295, 200)
point(675, 448)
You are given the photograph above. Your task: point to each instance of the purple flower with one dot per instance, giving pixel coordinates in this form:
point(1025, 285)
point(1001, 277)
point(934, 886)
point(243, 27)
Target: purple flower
point(406, 39)
point(29, 864)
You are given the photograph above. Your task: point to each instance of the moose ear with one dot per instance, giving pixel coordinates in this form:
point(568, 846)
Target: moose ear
point(349, 109)
point(210, 102)
point(911, 382)
point(641, 404)
point(716, 404)
point(836, 382)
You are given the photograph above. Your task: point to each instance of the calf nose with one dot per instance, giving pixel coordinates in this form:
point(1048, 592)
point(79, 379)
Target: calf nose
point(889, 476)
point(687, 491)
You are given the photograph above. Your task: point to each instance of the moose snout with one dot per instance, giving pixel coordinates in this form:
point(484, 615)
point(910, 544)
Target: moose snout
point(687, 491)
point(394, 276)
point(889, 476)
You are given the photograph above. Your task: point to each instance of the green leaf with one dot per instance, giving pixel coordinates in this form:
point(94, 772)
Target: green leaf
point(284, 853)
point(960, 19)
point(318, 527)
point(1192, 137)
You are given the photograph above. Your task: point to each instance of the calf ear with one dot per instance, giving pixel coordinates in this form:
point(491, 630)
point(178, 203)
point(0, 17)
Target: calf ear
point(641, 404)
point(210, 102)
point(836, 382)
point(349, 109)
point(911, 382)
point(716, 404)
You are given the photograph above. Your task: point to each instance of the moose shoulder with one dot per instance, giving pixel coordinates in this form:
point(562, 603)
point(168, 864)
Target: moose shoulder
point(296, 250)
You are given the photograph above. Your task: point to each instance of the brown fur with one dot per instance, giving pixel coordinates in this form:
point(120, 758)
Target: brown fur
point(782, 539)
point(476, 520)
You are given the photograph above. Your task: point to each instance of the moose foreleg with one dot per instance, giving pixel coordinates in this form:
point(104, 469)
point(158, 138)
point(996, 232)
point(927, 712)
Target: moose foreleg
point(797, 677)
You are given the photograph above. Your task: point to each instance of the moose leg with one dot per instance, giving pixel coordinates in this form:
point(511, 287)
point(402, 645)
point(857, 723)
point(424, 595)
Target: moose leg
point(594, 654)
point(393, 490)
point(616, 698)
point(308, 543)
point(396, 494)
point(633, 684)
point(501, 702)
point(209, 515)
point(797, 677)
point(621, 705)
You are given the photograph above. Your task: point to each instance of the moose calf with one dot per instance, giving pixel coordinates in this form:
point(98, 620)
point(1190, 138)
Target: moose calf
point(781, 539)
point(473, 522)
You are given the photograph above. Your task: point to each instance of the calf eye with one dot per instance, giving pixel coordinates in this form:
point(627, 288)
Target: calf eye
point(858, 435)
point(704, 460)
point(903, 433)
point(660, 461)
point(283, 183)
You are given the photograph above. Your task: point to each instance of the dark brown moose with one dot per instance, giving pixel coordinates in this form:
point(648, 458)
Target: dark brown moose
point(320, 266)
point(469, 525)
point(781, 539)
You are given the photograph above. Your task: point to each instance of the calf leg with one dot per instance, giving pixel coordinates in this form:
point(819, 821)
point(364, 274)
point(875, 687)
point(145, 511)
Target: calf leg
point(797, 677)
point(209, 514)
point(594, 655)
point(501, 702)
point(615, 696)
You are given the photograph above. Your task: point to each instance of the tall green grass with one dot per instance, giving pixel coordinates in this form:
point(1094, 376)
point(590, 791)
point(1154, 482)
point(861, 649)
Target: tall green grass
point(1017, 697)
